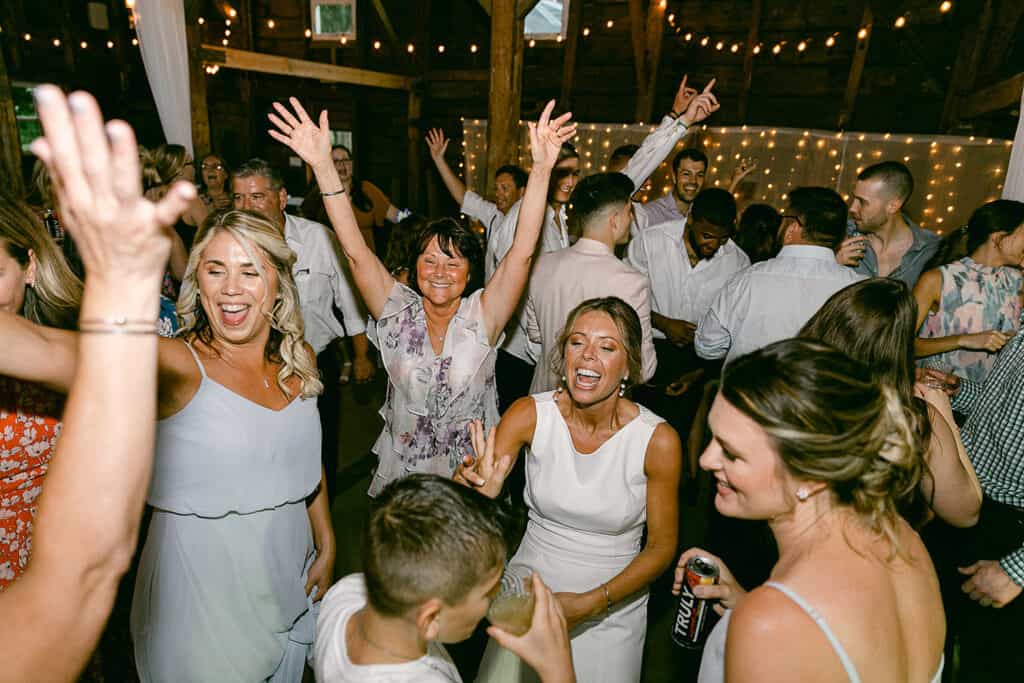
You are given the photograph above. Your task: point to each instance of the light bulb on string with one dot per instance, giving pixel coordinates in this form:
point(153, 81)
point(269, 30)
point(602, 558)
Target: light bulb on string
point(801, 46)
point(688, 37)
point(735, 48)
point(830, 41)
point(777, 49)
point(757, 49)
point(271, 24)
point(609, 24)
point(945, 6)
point(309, 33)
point(900, 22)
point(473, 48)
point(704, 41)
point(719, 45)
point(586, 31)
point(862, 33)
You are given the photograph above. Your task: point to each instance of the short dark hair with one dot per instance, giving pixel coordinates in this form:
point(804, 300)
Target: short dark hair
point(1001, 215)
point(260, 167)
point(691, 153)
point(519, 176)
point(822, 215)
point(716, 206)
point(452, 237)
point(624, 152)
point(758, 234)
point(567, 151)
point(428, 537)
point(894, 175)
point(596, 192)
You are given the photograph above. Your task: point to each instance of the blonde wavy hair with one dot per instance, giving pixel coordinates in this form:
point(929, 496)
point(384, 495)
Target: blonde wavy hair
point(56, 293)
point(831, 421)
point(258, 237)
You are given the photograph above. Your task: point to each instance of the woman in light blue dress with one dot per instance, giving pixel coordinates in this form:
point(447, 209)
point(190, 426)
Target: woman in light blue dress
point(240, 543)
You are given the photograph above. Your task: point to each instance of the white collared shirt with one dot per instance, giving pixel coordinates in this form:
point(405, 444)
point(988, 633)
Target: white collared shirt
point(562, 280)
point(679, 290)
point(770, 301)
point(323, 283)
point(478, 208)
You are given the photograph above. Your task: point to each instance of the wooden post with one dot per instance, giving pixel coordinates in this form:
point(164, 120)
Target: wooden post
point(196, 80)
point(860, 55)
point(748, 59)
point(572, 41)
point(415, 167)
point(10, 140)
point(646, 89)
point(965, 69)
point(637, 27)
point(503, 104)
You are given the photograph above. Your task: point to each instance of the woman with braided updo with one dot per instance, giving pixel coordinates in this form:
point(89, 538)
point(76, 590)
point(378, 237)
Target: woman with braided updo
point(806, 438)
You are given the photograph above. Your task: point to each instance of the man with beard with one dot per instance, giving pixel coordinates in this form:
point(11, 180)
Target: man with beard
point(883, 241)
point(689, 170)
point(509, 186)
point(772, 300)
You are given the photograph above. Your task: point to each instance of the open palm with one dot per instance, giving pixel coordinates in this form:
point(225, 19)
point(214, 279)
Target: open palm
point(547, 135)
point(311, 141)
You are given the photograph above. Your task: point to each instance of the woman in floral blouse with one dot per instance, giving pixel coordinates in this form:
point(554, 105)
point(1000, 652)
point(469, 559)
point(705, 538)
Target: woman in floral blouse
point(437, 337)
point(35, 282)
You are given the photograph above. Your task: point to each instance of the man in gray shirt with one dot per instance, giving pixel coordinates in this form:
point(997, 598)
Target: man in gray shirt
point(883, 241)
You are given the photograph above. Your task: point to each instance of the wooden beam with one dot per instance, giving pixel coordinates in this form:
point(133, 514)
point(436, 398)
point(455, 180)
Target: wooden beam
point(458, 75)
point(413, 131)
point(523, 7)
point(10, 140)
point(655, 33)
point(965, 69)
point(245, 60)
point(382, 14)
point(505, 85)
point(637, 27)
point(1004, 31)
point(748, 59)
point(860, 54)
point(196, 80)
point(572, 41)
point(993, 98)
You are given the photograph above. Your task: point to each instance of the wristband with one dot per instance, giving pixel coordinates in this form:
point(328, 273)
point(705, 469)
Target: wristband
point(118, 325)
point(333, 194)
point(674, 114)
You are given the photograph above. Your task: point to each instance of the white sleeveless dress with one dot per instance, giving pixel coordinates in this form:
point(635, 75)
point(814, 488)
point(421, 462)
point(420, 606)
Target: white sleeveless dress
point(586, 519)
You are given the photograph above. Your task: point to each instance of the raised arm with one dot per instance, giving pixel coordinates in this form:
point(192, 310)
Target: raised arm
point(505, 288)
point(88, 520)
point(437, 143)
point(687, 109)
point(312, 142)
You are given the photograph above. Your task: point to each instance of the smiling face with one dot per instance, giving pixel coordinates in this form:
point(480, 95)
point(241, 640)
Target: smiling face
point(236, 297)
point(442, 278)
point(505, 192)
point(564, 178)
point(689, 179)
point(213, 172)
point(596, 361)
point(751, 480)
point(254, 193)
point(706, 238)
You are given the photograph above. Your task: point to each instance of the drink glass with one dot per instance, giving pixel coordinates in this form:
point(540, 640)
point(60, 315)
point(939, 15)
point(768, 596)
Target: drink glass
point(512, 609)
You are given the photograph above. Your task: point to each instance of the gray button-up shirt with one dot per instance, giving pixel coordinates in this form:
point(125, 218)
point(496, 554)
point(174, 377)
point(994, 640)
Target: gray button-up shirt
point(912, 264)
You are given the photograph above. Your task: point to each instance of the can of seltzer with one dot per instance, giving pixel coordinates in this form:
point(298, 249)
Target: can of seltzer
point(692, 615)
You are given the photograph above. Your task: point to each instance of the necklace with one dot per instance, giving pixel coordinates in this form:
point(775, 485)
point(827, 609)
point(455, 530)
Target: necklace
point(362, 634)
point(266, 383)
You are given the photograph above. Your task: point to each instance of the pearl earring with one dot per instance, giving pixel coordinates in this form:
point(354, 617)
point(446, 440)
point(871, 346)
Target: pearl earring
point(561, 387)
point(622, 388)
point(802, 494)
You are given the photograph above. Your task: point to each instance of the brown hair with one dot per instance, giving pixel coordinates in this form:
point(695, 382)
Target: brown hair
point(626, 320)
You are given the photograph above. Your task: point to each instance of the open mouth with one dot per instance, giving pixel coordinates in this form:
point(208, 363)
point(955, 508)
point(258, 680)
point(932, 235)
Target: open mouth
point(587, 380)
point(234, 314)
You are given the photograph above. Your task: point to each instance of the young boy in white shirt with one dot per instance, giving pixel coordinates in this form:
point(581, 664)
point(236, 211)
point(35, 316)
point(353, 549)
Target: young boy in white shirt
point(433, 556)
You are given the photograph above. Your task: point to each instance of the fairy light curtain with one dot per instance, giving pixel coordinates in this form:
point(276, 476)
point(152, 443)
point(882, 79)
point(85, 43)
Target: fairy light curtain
point(952, 175)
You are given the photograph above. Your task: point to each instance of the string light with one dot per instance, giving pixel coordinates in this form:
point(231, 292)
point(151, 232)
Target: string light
point(801, 46)
point(227, 22)
point(27, 37)
point(224, 42)
point(344, 40)
point(586, 31)
point(271, 24)
point(862, 33)
point(376, 45)
point(777, 49)
point(719, 45)
point(410, 48)
point(56, 42)
point(227, 32)
point(688, 37)
point(757, 49)
point(201, 21)
point(473, 48)
point(533, 43)
point(945, 6)
point(671, 18)
point(135, 42)
point(735, 48)
point(609, 23)
point(110, 44)
point(232, 13)
point(704, 41)
point(309, 33)
point(84, 45)
point(900, 22)
point(830, 41)
point(440, 49)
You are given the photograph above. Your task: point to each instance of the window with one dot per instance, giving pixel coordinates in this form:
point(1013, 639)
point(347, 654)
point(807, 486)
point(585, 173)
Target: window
point(341, 137)
point(548, 20)
point(333, 19)
point(25, 113)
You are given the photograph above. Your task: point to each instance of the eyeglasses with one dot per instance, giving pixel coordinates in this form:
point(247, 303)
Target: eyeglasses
point(342, 161)
point(213, 167)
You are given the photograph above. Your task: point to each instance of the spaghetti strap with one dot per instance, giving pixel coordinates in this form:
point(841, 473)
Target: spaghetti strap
point(202, 370)
point(851, 670)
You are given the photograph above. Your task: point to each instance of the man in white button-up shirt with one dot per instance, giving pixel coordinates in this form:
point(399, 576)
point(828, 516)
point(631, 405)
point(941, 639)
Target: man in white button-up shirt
point(509, 186)
point(323, 284)
point(772, 300)
point(589, 269)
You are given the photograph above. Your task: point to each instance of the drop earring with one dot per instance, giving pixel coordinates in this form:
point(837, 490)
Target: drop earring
point(622, 388)
point(561, 386)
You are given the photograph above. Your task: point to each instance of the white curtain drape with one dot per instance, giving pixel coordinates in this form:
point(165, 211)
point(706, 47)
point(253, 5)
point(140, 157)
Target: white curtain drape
point(1014, 186)
point(160, 25)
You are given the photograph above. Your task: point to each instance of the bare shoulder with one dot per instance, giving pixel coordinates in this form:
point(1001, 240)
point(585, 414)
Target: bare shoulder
point(520, 418)
point(664, 451)
point(929, 284)
point(178, 376)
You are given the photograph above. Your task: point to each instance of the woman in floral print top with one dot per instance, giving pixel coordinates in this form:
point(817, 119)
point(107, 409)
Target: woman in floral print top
point(36, 283)
point(438, 346)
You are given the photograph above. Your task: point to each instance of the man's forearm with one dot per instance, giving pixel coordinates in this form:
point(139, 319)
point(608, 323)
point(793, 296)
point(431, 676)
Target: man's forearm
point(455, 186)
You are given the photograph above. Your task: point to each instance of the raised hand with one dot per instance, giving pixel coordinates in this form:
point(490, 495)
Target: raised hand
point(311, 141)
point(745, 167)
point(437, 143)
point(701, 106)
point(683, 98)
point(481, 470)
point(547, 135)
point(122, 237)
point(726, 592)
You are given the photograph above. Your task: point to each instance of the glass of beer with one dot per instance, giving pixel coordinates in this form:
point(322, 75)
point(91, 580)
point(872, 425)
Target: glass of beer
point(512, 609)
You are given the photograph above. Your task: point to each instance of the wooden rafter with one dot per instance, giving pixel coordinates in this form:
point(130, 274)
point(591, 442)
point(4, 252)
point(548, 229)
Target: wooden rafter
point(523, 7)
point(245, 60)
point(505, 85)
point(1003, 94)
point(10, 140)
point(654, 31)
point(748, 58)
point(860, 55)
point(385, 21)
point(965, 69)
point(1000, 39)
point(572, 41)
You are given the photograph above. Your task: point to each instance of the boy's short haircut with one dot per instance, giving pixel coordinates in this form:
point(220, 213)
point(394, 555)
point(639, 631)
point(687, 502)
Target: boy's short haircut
point(429, 537)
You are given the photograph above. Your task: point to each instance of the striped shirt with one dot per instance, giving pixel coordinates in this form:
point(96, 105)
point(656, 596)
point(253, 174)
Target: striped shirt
point(994, 436)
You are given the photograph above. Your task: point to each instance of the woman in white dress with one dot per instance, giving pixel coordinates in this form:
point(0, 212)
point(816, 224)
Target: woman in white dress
point(599, 468)
point(806, 438)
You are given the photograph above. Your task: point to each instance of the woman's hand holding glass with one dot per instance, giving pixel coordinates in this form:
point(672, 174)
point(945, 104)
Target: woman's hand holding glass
point(482, 471)
point(725, 593)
